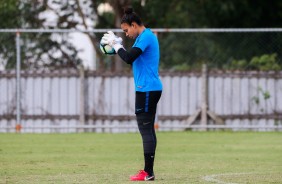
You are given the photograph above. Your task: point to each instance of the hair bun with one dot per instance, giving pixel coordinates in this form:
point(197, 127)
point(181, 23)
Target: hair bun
point(128, 10)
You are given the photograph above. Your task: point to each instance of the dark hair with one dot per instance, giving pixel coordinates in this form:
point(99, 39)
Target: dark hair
point(130, 16)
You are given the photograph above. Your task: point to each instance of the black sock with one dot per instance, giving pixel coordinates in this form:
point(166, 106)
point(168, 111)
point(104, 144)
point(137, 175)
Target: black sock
point(149, 163)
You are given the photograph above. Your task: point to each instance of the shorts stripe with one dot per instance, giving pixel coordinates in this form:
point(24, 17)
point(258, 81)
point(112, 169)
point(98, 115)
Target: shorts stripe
point(147, 102)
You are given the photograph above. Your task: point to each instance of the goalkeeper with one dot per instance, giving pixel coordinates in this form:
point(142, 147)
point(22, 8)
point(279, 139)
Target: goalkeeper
point(144, 58)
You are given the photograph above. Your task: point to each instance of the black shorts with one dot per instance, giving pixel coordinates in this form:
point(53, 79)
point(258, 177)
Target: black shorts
point(146, 102)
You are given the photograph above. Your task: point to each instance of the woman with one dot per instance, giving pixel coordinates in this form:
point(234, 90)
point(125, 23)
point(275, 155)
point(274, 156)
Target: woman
point(144, 57)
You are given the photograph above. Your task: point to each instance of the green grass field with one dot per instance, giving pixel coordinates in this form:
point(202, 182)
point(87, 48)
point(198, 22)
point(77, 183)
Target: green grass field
point(182, 157)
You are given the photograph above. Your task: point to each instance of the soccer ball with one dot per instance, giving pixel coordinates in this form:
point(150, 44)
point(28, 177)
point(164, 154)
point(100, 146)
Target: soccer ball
point(106, 49)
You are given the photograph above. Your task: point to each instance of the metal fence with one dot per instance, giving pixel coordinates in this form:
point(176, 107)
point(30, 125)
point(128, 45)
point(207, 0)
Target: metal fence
point(78, 100)
point(51, 101)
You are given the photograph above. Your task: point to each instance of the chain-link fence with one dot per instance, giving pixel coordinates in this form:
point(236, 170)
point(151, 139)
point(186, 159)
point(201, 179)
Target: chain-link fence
point(228, 49)
point(181, 49)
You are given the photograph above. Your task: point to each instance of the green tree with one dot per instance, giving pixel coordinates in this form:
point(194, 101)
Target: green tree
point(216, 49)
point(178, 50)
point(8, 12)
point(38, 49)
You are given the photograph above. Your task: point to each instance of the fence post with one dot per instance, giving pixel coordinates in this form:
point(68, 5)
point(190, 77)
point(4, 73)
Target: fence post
point(203, 111)
point(82, 98)
point(18, 81)
point(204, 90)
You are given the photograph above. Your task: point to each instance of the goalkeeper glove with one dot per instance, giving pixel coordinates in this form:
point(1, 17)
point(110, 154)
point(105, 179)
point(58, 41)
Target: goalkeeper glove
point(111, 39)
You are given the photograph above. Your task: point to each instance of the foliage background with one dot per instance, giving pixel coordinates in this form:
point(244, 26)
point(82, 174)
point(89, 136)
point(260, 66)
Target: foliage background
point(179, 51)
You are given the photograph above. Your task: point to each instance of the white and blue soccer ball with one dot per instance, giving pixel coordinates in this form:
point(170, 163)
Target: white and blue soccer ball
point(107, 49)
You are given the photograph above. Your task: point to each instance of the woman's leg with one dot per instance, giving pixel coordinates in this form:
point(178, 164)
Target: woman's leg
point(145, 109)
point(146, 128)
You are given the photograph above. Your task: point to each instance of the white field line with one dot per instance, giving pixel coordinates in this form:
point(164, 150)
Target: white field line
point(212, 178)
